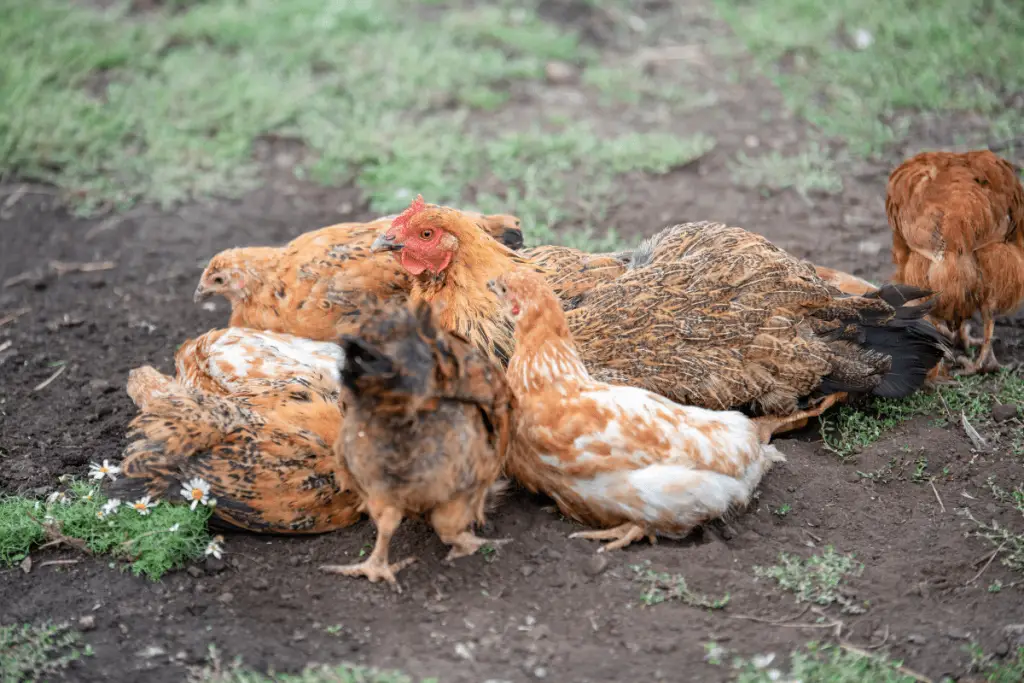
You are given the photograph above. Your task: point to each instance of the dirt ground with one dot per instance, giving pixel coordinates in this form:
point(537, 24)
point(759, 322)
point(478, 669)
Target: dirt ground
point(542, 607)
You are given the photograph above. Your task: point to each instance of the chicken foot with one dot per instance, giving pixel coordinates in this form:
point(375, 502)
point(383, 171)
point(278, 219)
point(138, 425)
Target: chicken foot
point(451, 521)
point(769, 426)
point(620, 536)
point(986, 360)
point(376, 567)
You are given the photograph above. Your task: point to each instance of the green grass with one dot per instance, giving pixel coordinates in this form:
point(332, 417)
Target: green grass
point(944, 56)
point(817, 580)
point(1007, 543)
point(216, 672)
point(32, 653)
point(816, 663)
point(659, 587)
point(147, 543)
point(117, 108)
point(849, 430)
point(805, 172)
point(1009, 670)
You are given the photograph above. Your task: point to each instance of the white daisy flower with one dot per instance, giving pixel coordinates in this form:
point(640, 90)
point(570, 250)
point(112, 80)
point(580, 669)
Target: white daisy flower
point(174, 527)
point(215, 547)
point(143, 505)
point(58, 497)
point(105, 470)
point(198, 492)
point(109, 508)
point(89, 496)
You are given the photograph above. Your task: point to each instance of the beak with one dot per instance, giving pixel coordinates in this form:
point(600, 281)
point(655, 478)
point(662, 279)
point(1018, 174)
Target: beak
point(200, 294)
point(385, 243)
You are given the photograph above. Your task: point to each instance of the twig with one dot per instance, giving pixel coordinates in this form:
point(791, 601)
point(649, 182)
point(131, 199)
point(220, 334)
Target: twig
point(63, 268)
point(15, 196)
point(56, 535)
point(936, 491)
point(11, 317)
point(949, 413)
point(6, 345)
point(972, 433)
point(762, 620)
point(49, 562)
point(902, 669)
point(990, 558)
point(46, 382)
point(885, 639)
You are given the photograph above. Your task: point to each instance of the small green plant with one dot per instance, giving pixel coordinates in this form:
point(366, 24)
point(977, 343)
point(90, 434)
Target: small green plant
point(782, 510)
point(995, 587)
point(32, 653)
point(817, 579)
point(1008, 544)
point(920, 466)
point(817, 663)
point(659, 587)
point(806, 172)
point(884, 474)
point(1009, 670)
point(164, 537)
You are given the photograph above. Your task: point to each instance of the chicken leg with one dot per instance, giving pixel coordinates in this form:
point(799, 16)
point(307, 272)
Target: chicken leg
point(376, 566)
point(769, 426)
point(620, 536)
point(451, 521)
point(986, 360)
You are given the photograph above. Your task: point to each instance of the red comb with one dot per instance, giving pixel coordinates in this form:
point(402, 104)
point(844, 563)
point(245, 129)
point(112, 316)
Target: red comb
point(402, 219)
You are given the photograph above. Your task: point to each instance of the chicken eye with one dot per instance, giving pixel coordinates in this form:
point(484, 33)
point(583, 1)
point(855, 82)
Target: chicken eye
point(427, 234)
point(219, 280)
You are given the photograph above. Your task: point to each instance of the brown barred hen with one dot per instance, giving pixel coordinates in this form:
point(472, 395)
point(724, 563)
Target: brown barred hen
point(958, 229)
point(712, 316)
point(255, 415)
point(426, 430)
point(314, 286)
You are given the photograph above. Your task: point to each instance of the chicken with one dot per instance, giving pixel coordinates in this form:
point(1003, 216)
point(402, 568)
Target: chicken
point(575, 272)
point(716, 317)
point(256, 417)
point(426, 432)
point(623, 459)
point(958, 229)
point(314, 285)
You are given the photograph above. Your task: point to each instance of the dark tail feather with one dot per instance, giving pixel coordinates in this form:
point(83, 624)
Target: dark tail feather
point(915, 347)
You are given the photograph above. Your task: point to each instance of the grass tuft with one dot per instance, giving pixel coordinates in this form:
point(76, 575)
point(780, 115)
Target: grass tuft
point(662, 587)
point(818, 579)
point(816, 662)
point(954, 57)
point(153, 544)
point(32, 653)
point(1007, 543)
point(217, 672)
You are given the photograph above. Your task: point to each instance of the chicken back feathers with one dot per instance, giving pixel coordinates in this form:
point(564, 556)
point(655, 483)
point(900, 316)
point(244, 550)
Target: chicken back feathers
point(260, 428)
point(614, 455)
point(958, 229)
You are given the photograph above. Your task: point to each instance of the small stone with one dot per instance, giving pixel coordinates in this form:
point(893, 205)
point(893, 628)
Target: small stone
point(260, 584)
point(752, 141)
point(958, 634)
point(1001, 412)
point(87, 623)
point(559, 73)
point(181, 655)
point(213, 565)
point(99, 385)
point(595, 565)
point(194, 571)
point(152, 651)
point(869, 246)
point(916, 639)
point(527, 570)
point(540, 672)
point(225, 598)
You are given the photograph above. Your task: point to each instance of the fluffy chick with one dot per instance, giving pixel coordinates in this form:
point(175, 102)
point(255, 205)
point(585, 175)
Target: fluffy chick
point(426, 431)
point(623, 459)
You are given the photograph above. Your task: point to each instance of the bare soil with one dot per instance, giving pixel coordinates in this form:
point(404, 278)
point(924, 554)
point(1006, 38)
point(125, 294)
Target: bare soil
point(542, 606)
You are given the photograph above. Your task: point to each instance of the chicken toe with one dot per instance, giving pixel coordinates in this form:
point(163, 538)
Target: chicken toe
point(375, 569)
point(620, 536)
point(467, 543)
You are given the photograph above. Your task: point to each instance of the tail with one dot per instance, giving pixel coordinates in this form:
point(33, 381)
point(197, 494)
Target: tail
point(894, 334)
point(175, 425)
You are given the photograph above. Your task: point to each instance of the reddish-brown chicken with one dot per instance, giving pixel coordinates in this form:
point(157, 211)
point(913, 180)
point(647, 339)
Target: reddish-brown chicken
point(255, 416)
point(623, 459)
point(427, 421)
point(314, 285)
point(958, 229)
point(718, 317)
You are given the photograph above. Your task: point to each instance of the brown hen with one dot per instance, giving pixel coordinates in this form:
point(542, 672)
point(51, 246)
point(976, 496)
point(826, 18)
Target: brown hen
point(254, 415)
point(715, 317)
point(426, 432)
point(314, 286)
point(958, 229)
